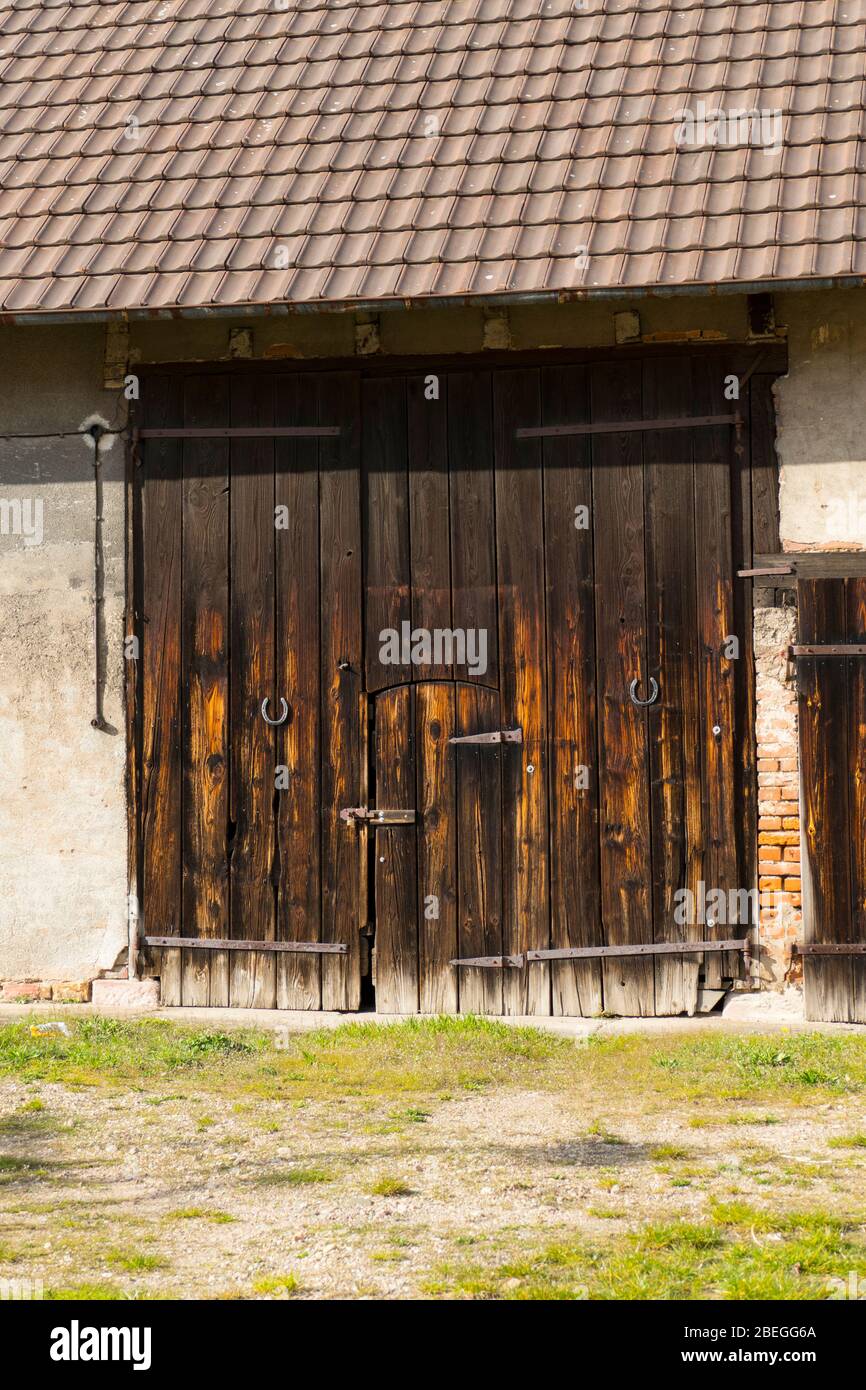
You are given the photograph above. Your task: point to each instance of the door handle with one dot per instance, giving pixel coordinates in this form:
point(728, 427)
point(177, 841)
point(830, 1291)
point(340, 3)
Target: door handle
point(284, 713)
point(653, 695)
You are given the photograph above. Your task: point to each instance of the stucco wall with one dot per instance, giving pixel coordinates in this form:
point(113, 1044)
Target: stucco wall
point(62, 796)
point(821, 421)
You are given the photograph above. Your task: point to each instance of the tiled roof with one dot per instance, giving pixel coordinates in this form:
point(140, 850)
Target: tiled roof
point(162, 154)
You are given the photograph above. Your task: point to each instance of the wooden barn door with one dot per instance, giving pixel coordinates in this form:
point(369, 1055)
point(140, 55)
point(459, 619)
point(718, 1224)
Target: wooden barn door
point(600, 565)
point(573, 570)
point(831, 679)
point(251, 701)
point(640, 552)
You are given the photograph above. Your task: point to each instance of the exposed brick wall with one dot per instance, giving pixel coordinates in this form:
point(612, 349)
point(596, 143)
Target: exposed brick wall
point(779, 881)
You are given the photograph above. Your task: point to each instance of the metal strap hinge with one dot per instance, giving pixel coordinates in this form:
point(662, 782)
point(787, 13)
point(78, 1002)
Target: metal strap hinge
point(679, 422)
point(833, 948)
point(493, 962)
point(323, 948)
point(652, 948)
point(830, 649)
point(497, 736)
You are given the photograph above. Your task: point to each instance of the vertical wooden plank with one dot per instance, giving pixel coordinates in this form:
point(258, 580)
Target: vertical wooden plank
point(473, 528)
point(745, 688)
point(824, 772)
point(344, 703)
point(205, 673)
point(522, 665)
point(713, 454)
point(395, 855)
point(435, 714)
point(299, 674)
point(385, 455)
point(674, 721)
point(856, 604)
point(430, 548)
point(252, 982)
point(575, 888)
point(479, 850)
point(161, 520)
point(765, 465)
point(618, 510)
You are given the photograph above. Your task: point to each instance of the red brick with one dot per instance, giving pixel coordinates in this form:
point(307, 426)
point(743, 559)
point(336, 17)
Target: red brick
point(14, 990)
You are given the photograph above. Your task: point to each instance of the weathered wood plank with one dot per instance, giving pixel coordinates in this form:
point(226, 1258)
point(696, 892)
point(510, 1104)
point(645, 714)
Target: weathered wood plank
point(251, 837)
point(395, 851)
point(385, 455)
point(575, 900)
point(856, 605)
point(436, 794)
point(479, 849)
point(298, 620)
point(430, 547)
point(344, 704)
point(473, 529)
point(822, 687)
point(745, 689)
point(161, 851)
point(713, 453)
point(674, 721)
point(523, 680)
point(618, 508)
point(205, 676)
point(765, 465)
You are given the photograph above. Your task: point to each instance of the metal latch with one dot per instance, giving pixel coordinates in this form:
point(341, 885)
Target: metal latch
point(497, 736)
point(372, 815)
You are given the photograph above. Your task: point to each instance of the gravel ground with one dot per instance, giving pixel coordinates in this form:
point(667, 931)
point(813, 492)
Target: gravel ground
point(111, 1169)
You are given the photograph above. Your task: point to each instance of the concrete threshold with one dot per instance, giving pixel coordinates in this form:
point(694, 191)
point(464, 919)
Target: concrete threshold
point(742, 1013)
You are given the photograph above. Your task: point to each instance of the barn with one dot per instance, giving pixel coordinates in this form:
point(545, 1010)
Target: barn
point(433, 504)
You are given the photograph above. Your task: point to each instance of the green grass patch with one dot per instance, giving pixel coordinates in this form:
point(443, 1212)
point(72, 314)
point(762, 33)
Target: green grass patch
point(662, 1152)
point(407, 1063)
point(134, 1261)
point(220, 1218)
point(848, 1141)
point(390, 1187)
point(740, 1254)
point(84, 1293)
point(295, 1177)
point(276, 1284)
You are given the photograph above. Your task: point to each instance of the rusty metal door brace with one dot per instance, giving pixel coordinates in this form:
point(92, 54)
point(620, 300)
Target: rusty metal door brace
point(833, 948)
point(493, 962)
point(654, 948)
point(833, 649)
point(323, 948)
point(497, 736)
point(372, 815)
point(252, 432)
point(627, 426)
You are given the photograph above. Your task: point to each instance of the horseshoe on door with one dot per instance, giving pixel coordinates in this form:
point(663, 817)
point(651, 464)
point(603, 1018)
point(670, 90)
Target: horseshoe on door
point(284, 713)
point(653, 695)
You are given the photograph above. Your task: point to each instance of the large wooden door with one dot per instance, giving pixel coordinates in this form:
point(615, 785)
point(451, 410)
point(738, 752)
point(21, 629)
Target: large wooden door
point(465, 553)
point(246, 542)
point(831, 681)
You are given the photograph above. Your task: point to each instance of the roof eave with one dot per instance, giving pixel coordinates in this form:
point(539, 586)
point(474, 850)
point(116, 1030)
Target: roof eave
point(501, 300)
